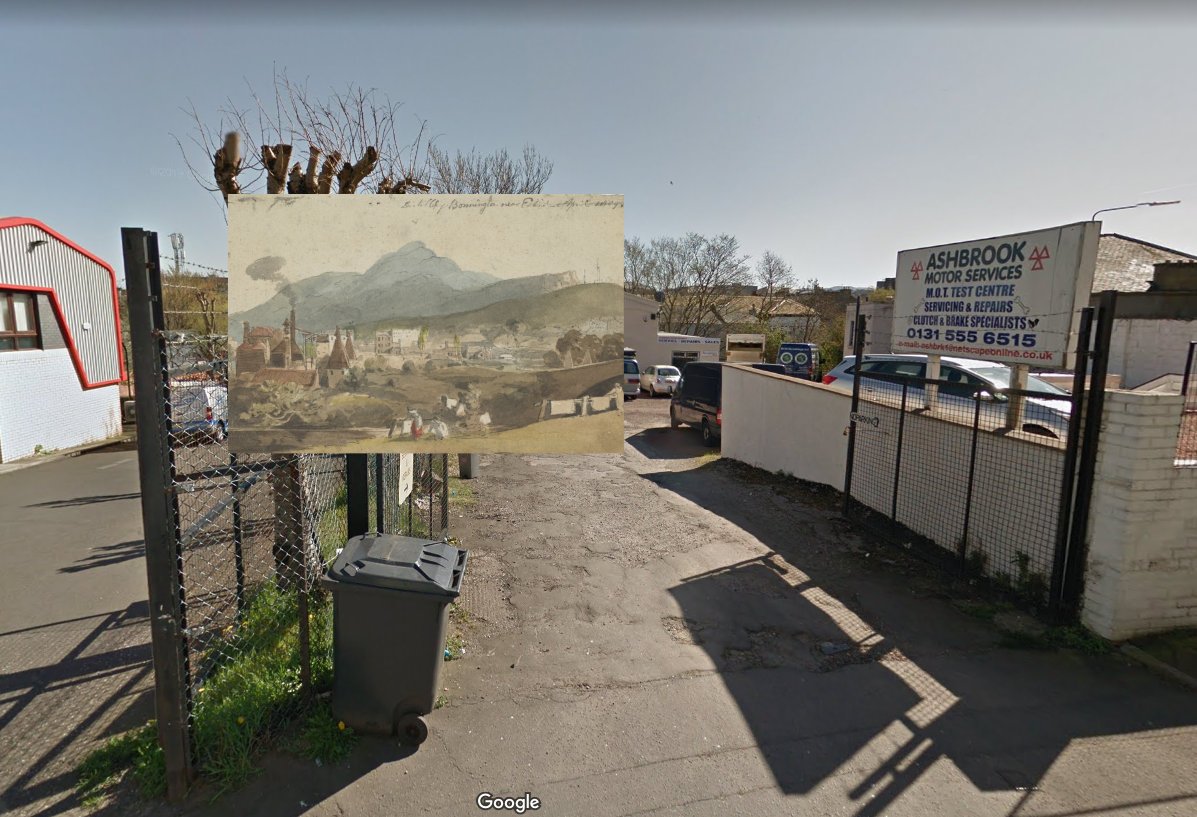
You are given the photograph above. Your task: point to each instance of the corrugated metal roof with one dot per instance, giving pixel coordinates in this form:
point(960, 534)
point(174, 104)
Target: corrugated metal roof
point(82, 290)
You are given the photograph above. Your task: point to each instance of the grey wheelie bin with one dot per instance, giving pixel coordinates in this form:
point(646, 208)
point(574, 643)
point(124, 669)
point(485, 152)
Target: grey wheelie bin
point(391, 599)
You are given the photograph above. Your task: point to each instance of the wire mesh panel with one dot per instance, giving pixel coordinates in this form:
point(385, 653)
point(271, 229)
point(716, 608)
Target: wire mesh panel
point(938, 465)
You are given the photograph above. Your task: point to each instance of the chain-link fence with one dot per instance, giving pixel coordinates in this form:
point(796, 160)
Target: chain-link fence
point(236, 543)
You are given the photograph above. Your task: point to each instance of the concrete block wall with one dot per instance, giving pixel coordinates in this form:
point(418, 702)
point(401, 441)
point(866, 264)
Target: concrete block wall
point(1142, 350)
point(42, 403)
point(1141, 575)
point(778, 423)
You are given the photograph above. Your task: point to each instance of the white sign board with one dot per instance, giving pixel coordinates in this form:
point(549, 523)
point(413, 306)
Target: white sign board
point(1012, 299)
point(406, 470)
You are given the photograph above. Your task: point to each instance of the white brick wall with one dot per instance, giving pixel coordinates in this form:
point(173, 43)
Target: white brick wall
point(1142, 561)
point(42, 403)
point(1142, 350)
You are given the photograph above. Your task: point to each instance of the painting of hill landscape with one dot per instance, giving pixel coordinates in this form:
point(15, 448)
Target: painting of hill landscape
point(448, 324)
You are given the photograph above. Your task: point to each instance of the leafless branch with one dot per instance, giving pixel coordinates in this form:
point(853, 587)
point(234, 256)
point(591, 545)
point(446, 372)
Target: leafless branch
point(351, 134)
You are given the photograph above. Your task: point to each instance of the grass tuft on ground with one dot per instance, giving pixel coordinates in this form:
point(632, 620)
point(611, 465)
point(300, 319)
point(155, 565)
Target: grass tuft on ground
point(461, 494)
point(324, 738)
point(1071, 637)
point(135, 754)
point(252, 693)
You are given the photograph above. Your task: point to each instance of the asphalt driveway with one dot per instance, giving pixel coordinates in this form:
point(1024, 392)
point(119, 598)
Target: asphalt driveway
point(74, 634)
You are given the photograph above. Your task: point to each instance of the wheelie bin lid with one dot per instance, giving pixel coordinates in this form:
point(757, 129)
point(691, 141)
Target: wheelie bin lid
point(401, 563)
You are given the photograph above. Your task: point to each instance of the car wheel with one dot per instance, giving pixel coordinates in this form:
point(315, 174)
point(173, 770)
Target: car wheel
point(221, 433)
point(652, 391)
point(673, 423)
point(708, 437)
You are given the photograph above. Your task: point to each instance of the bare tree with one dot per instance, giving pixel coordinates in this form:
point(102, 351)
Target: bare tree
point(352, 142)
point(671, 272)
point(496, 172)
point(829, 307)
point(700, 278)
point(639, 267)
point(775, 278)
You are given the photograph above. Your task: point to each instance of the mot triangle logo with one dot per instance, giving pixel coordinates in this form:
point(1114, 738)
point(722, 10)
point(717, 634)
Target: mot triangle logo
point(1039, 255)
point(915, 269)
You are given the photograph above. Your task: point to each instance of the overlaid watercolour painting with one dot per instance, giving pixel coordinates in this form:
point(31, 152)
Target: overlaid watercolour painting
point(452, 324)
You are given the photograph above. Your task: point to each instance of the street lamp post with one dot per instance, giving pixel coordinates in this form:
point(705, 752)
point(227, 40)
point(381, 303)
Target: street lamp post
point(1133, 206)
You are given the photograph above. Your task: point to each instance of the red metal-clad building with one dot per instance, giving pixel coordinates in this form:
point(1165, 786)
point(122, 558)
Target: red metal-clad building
point(61, 358)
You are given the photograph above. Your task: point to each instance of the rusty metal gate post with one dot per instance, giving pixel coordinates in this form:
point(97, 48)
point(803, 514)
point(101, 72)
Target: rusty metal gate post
point(159, 508)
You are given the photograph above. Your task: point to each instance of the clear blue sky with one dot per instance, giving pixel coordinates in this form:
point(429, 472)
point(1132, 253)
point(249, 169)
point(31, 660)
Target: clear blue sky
point(834, 140)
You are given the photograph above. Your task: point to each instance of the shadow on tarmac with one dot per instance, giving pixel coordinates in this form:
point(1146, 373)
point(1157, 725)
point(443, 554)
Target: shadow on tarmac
point(50, 710)
point(823, 691)
point(85, 500)
point(108, 555)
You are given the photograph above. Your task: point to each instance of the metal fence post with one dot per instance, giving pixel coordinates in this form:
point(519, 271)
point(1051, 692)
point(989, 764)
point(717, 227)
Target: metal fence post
point(893, 512)
point(238, 537)
point(858, 353)
point(289, 557)
point(159, 509)
point(1074, 570)
point(444, 493)
point(411, 497)
point(467, 465)
point(1188, 375)
point(357, 493)
point(1068, 478)
point(972, 479)
point(379, 494)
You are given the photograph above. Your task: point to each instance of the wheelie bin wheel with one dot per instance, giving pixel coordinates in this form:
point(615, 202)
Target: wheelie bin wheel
point(412, 729)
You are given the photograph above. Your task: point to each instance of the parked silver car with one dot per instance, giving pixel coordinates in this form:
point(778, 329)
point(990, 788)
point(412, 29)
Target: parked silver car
point(631, 378)
point(1047, 415)
point(199, 411)
point(660, 380)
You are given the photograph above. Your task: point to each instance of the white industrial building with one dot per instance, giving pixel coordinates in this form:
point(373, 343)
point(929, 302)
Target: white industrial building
point(61, 361)
point(655, 348)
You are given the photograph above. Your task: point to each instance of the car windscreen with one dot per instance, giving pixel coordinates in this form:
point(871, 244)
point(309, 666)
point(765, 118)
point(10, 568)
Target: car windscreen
point(630, 367)
point(1000, 377)
point(668, 371)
